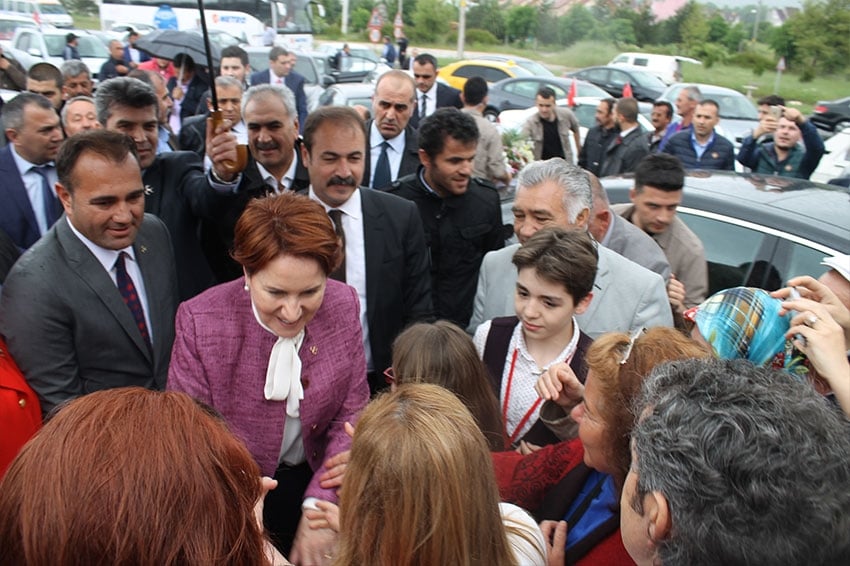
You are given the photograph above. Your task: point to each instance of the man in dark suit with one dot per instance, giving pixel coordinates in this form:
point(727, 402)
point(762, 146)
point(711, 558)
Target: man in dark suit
point(385, 256)
point(91, 306)
point(626, 150)
point(179, 191)
point(274, 166)
point(29, 204)
point(280, 72)
point(392, 143)
point(431, 94)
point(187, 89)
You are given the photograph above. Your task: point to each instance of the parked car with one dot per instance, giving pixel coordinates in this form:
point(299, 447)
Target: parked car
point(738, 114)
point(758, 230)
point(348, 94)
point(31, 46)
point(55, 14)
point(10, 22)
point(310, 65)
point(362, 66)
point(668, 68)
point(832, 115)
point(836, 161)
point(536, 68)
point(521, 92)
point(125, 27)
point(492, 71)
point(613, 79)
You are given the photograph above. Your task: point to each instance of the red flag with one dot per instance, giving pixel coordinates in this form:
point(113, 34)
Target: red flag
point(627, 91)
point(571, 95)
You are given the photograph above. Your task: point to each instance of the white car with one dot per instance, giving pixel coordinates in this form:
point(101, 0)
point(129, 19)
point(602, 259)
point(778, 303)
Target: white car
point(31, 46)
point(836, 161)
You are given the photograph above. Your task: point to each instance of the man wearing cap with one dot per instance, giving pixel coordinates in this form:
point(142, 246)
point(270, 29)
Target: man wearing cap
point(70, 52)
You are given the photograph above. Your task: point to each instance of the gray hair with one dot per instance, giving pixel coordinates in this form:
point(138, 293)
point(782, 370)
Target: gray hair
point(13, 111)
point(125, 91)
point(64, 114)
point(754, 465)
point(572, 180)
point(693, 92)
point(600, 197)
point(225, 82)
point(281, 92)
point(74, 68)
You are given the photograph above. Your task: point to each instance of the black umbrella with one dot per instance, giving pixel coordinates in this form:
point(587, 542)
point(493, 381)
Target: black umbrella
point(168, 43)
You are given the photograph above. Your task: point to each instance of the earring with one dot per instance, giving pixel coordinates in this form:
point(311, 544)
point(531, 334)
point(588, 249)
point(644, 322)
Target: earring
point(246, 287)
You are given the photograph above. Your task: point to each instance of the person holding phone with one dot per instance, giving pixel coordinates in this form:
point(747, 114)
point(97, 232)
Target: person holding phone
point(783, 156)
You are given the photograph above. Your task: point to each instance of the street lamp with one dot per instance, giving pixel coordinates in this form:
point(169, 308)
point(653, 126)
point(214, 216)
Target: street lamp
point(757, 12)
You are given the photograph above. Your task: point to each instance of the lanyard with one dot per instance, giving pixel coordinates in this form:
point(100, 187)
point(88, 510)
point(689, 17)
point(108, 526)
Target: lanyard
point(512, 437)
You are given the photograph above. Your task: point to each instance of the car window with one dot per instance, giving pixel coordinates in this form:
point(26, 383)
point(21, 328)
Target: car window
point(595, 75)
point(736, 106)
point(586, 115)
point(641, 62)
point(90, 46)
point(559, 91)
point(304, 67)
point(55, 45)
point(621, 59)
point(469, 71)
point(648, 80)
point(526, 89)
point(618, 78)
point(730, 250)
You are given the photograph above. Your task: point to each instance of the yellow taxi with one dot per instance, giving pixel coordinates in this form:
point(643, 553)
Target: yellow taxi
point(456, 74)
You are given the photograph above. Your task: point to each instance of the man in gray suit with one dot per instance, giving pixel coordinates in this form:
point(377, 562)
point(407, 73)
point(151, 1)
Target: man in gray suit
point(621, 236)
point(91, 305)
point(625, 295)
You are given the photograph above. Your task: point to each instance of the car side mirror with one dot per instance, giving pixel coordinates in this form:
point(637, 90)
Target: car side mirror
point(34, 51)
point(328, 80)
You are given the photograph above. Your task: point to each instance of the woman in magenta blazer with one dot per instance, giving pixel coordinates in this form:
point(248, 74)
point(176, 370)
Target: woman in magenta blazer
point(279, 354)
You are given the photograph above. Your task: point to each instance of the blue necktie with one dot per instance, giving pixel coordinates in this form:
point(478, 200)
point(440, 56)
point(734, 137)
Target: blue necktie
point(382, 177)
point(49, 200)
point(131, 297)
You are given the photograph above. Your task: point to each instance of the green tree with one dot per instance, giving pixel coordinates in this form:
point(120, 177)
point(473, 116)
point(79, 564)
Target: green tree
point(622, 31)
point(487, 15)
point(819, 34)
point(577, 24)
point(521, 22)
point(430, 20)
point(694, 28)
point(82, 7)
point(717, 29)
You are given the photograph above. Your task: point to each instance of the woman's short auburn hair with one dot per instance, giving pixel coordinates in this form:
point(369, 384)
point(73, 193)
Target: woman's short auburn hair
point(619, 383)
point(285, 224)
point(132, 476)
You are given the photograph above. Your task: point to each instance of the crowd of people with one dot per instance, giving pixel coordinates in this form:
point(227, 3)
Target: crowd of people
point(333, 355)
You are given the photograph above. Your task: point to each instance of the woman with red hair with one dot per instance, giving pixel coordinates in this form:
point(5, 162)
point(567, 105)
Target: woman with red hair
point(279, 353)
point(133, 476)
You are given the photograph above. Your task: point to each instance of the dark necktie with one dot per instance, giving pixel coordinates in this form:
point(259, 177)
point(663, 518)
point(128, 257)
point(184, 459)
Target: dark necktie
point(382, 177)
point(424, 107)
point(131, 297)
point(336, 216)
point(48, 197)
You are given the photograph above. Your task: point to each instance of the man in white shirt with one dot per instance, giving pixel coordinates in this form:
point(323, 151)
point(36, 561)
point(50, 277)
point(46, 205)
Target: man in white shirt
point(385, 255)
point(431, 94)
point(393, 149)
point(91, 305)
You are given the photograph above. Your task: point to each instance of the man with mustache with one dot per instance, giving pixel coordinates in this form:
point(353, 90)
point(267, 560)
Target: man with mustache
point(461, 214)
point(274, 165)
point(385, 255)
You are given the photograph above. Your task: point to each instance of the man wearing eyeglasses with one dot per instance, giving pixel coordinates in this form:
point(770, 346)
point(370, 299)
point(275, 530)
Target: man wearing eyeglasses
point(393, 145)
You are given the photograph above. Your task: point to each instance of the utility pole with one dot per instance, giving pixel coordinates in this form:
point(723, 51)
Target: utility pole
point(461, 29)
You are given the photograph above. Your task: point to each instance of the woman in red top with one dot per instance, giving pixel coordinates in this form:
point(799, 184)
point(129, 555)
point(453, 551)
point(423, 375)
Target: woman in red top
point(20, 413)
point(578, 482)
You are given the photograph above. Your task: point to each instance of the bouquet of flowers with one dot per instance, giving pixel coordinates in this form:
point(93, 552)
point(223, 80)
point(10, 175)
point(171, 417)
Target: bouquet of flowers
point(517, 150)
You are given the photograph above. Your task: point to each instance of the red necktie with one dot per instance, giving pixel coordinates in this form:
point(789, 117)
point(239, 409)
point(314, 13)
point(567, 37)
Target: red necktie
point(131, 297)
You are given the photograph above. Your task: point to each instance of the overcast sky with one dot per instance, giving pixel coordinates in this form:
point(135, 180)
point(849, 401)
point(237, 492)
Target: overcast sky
point(774, 3)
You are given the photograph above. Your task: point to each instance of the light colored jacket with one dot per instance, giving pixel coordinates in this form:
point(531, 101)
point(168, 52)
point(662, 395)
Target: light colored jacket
point(567, 123)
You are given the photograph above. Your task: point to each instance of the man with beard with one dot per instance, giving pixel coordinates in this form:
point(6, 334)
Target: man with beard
point(461, 214)
point(393, 145)
point(784, 156)
point(662, 115)
point(598, 137)
point(385, 256)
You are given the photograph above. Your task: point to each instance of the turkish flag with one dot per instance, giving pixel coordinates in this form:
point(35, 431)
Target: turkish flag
point(627, 91)
point(571, 95)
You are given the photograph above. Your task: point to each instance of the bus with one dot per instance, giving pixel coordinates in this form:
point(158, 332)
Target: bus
point(244, 19)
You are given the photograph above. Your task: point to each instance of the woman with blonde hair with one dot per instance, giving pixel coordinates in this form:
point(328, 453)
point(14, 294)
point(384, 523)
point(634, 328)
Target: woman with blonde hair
point(443, 354)
point(133, 476)
point(420, 490)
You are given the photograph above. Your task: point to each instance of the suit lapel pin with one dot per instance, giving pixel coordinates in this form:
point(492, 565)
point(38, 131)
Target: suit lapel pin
point(143, 248)
point(148, 190)
point(314, 350)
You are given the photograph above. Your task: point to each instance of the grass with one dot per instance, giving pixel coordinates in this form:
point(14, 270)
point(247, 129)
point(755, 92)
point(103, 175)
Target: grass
point(86, 22)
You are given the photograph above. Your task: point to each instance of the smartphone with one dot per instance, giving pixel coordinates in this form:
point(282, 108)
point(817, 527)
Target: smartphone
point(776, 112)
